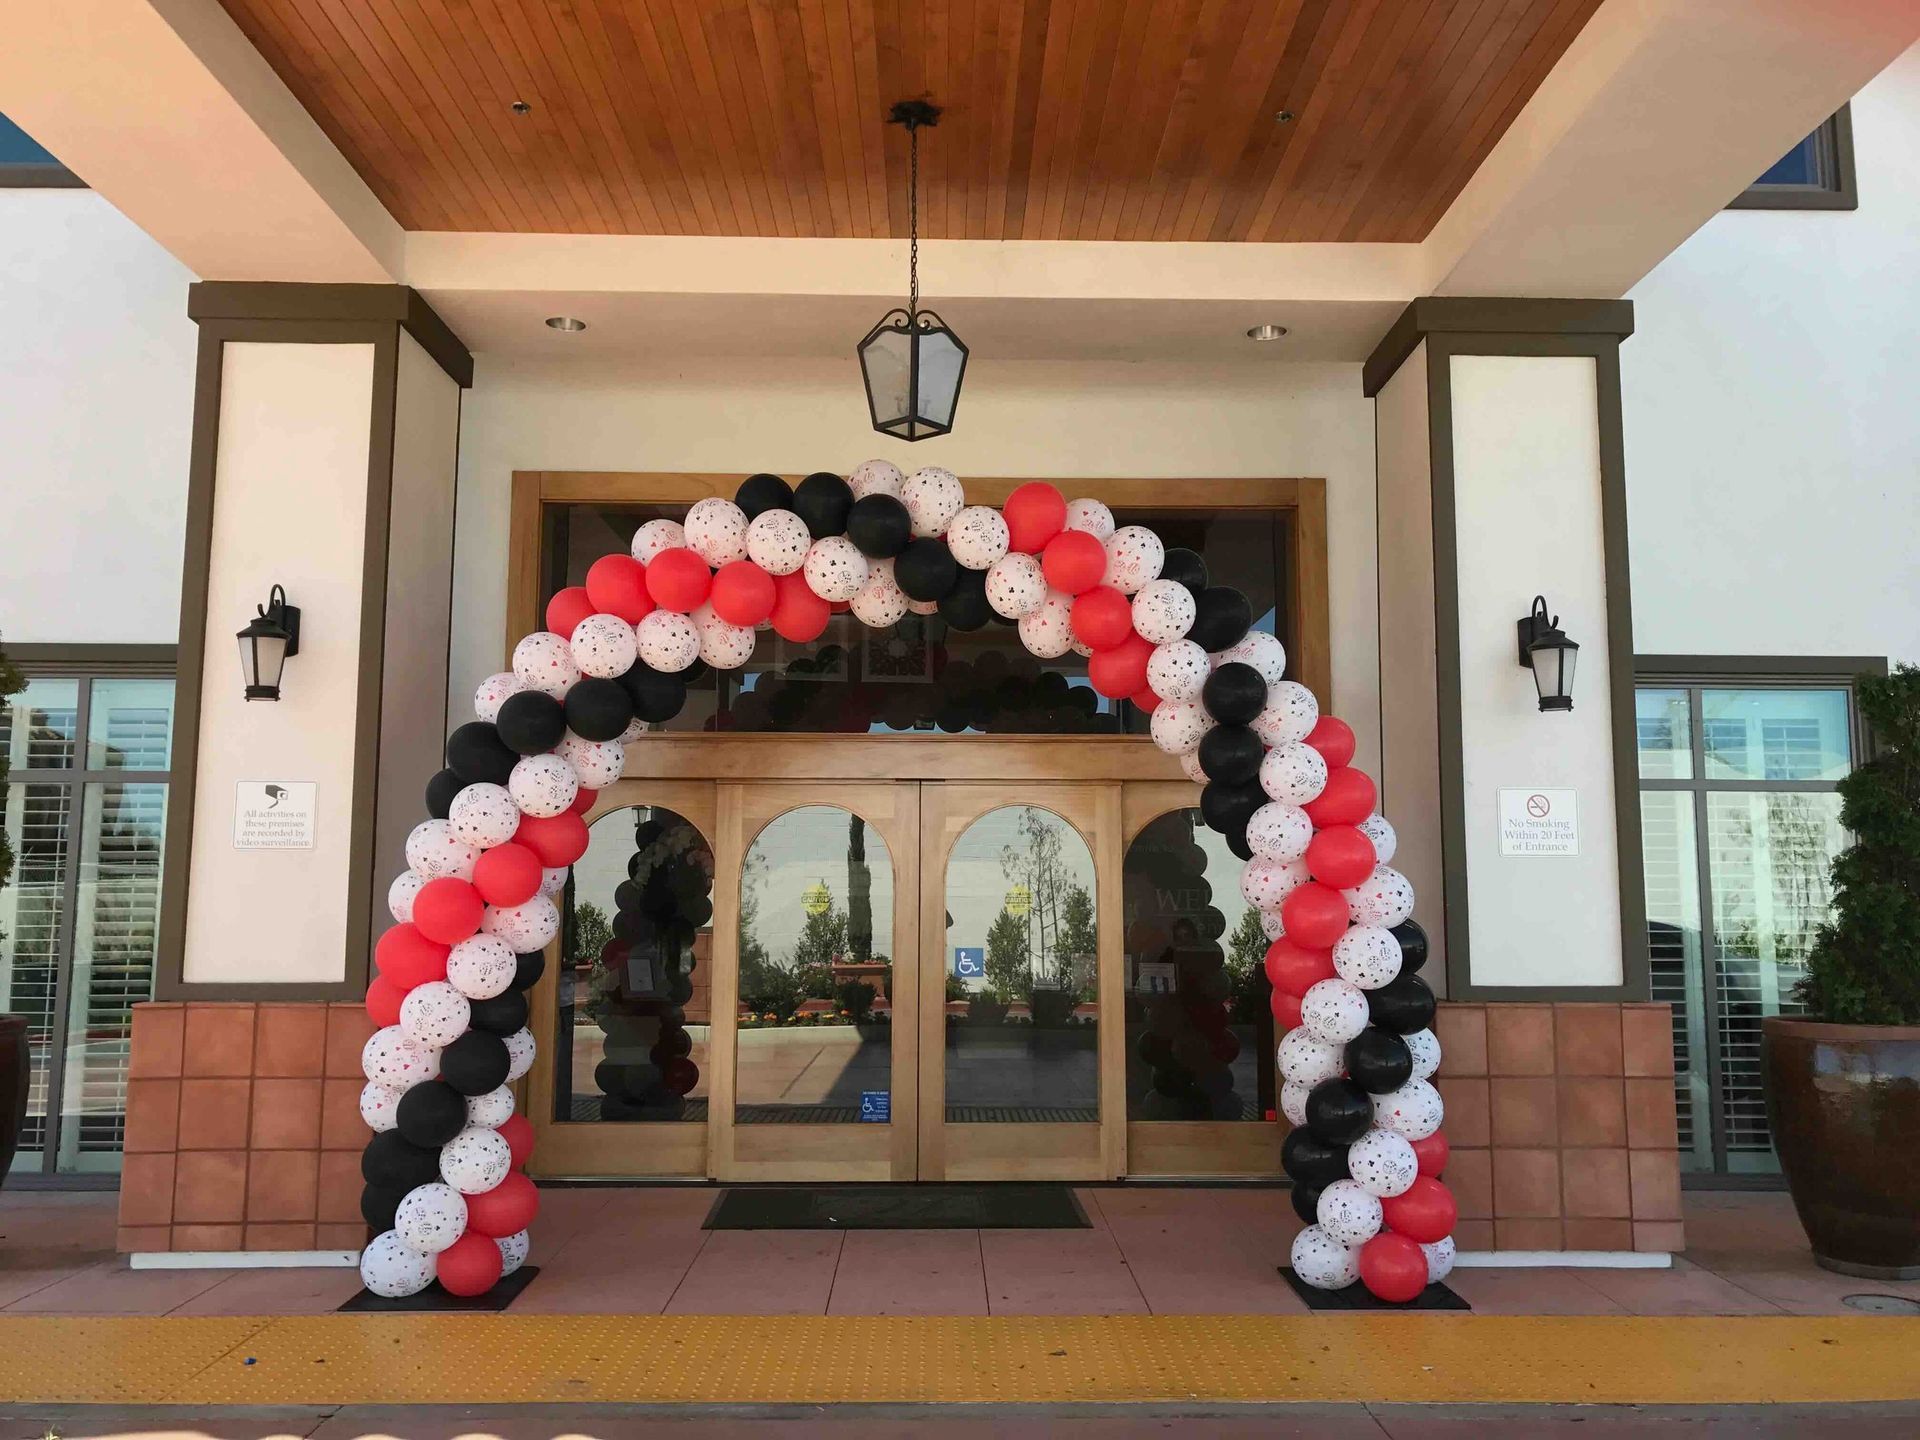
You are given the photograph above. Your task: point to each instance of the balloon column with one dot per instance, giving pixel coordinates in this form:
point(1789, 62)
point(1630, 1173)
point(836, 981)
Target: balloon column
point(446, 1190)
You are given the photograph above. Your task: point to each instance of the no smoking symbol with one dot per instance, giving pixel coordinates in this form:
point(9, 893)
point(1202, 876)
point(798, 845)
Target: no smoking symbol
point(1538, 806)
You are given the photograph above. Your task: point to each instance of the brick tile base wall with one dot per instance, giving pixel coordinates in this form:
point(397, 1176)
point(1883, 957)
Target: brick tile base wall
point(243, 1127)
point(1562, 1123)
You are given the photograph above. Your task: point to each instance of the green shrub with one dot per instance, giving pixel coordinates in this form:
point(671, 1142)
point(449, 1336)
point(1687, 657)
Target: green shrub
point(856, 997)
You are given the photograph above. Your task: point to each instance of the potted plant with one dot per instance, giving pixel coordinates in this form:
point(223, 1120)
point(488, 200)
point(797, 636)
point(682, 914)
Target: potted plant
point(15, 1062)
point(1843, 1081)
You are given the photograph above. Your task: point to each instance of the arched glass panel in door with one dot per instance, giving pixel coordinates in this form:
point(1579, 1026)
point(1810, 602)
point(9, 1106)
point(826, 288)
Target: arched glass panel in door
point(1199, 1030)
point(815, 1037)
point(635, 974)
point(1022, 968)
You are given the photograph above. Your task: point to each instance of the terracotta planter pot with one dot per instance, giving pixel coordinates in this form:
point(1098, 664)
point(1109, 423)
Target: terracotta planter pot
point(14, 1072)
point(1844, 1104)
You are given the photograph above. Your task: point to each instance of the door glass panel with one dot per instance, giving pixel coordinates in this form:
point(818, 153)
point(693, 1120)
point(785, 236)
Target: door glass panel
point(1674, 945)
point(634, 1011)
point(816, 924)
point(1775, 734)
point(1022, 972)
point(1199, 1026)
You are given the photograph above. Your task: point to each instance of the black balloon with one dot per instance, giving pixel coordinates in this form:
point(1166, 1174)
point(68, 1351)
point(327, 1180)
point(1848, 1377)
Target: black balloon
point(1378, 1061)
point(1231, 755)
point(598, 709)
point(1239, 846)
point(440, 792)
point(378, 1204)
point(394, 1162)
point(531, 722)
point(528, 968)
point(1312, 1162)
point(1403, 1005)
point(760, 493)
point(475, 1063)
point(1221, 618)
point(1339, 1112)
point(965, 606)
point(1228, 807)
point(432, 1113)
point(879, 526)
point(1306, 1202)
point(1413, 945)
point(501, 1015)
point(1235, 694)
point(925, 570)
point(823, 501)
point(476, 753)
point(1186, 567)
point(656, 695)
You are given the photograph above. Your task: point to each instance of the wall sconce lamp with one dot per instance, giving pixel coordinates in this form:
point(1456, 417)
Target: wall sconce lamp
point(1545, 650)
point(270, 637)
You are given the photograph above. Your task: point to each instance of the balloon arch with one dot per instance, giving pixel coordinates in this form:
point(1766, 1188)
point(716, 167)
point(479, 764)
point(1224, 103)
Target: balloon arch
point(447, 1193)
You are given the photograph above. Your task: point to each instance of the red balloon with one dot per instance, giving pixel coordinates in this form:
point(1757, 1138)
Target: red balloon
point(1102, 618)
point(1393, 1267)
point(1347, 800)
point(1035, 513)
point(1432, 1153)
point(1286, 1009)
point(1340, 856)
point(1073, 561)
point(469, 1266)
point(1296, 968)
point(743, 593)
point(798, 614)
point(1424, 1213)
point(505, 875)
point(1122, 670)
point(556, 840)
point(1145, 701)
point(568, 608)
point(517, 1131)
point(679, 580)
point(447, 910)
point(408, 958)
point(506, 1209)
point(1315, 915)
point(617, 585)
point(383, 1001)
point(582, 801)
point(1333, 738)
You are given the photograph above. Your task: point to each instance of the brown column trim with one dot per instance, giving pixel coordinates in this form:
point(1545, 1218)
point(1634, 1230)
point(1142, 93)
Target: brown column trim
point(272, 300)
point(1476, 315)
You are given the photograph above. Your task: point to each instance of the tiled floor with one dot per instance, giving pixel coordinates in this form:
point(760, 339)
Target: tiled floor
point(1160, 1250)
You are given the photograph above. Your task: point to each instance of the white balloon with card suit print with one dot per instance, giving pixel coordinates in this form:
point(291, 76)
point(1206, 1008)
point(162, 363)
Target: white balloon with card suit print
point(400, 895)
point(492, 1109)
point(431, 1217)
point(1294, 774)
point(978, 537)
point(716, 531)
point(519, 1053)
point(434, 852)
point(1414, 1110)
point(476, 1160)
point(1334, 1010)
point(392, 1268)
point(1384, 898)
point(1367, 956)
point(875, 477)
point(635, 729)
point(435, 1014)
point(667, 641)
point(1191, 767)
point(1385, 841)
point(543, 661)
point(1047, 630)
point(835, 568)
point(657, 535)
point(1383, 1163)
point(1289, 715)
point(1178, 726)
point(543, 785)
point(1163, 612)
point(380, 1105)
point(1348, 1213)
point(1293, 1102)
point(603, 646)
point(1265, 883)
point(526, 927)
point(1092, 516)
point(724, 646)
point(1322, 1261)
point(1279, 831)
point(1440, 1257)
point(596, 763)
point(1177, 670)
point(1134, 557)
point(1016, 586)
point(1271, 925)
point(482, 966)
point(1425, 1048)
point(879, 602)
point(492, 693)
point(1262, 651)
point(513, 1251)
point(393, 1058)
point(553, 879)
point(923, 607)
point(778, 541)
point(933, 496)
point(1306, 1059)
point(483, 815)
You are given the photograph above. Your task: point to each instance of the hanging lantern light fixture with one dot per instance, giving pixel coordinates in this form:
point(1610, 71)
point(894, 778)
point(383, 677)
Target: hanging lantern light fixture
point(912, 361)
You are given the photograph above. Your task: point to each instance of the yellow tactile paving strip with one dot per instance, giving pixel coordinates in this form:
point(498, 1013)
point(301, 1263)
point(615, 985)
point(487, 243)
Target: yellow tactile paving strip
point(481, 1359)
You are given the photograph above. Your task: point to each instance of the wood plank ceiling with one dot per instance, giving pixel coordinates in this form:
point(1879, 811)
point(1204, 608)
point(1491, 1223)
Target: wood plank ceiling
point(1066, 119)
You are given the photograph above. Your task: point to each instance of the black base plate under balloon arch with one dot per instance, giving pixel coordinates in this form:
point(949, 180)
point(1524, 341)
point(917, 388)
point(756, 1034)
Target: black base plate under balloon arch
point(434, 1298)
point(1357, 1297)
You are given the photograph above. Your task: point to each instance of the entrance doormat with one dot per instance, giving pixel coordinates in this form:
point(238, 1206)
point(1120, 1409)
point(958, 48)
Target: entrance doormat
point(433, 1297)
point(1357, 1297)
point(898, 1207)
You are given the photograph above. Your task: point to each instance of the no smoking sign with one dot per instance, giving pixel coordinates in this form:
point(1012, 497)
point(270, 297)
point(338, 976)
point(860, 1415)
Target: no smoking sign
point(1539, 822)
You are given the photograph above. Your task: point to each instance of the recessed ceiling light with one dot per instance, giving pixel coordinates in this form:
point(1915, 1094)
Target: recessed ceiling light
point(521, 107)
point(566, 323)
point(1258, 332)
point(1283, 116)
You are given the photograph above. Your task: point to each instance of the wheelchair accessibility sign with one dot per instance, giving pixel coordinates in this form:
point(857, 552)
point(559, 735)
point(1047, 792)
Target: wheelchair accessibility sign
point(876, 1106)
point(969, 962)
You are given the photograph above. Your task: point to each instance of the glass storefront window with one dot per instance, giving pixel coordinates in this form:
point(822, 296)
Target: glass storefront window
point(1775, 734)
point(1665, 732)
